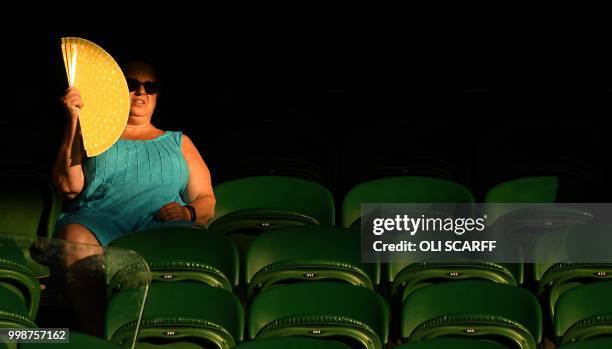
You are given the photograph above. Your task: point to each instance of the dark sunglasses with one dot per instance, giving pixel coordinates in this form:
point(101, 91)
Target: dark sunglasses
point(151, 87)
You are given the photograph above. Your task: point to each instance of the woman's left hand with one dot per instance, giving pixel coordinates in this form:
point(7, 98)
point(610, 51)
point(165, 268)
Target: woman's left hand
point(173, 211)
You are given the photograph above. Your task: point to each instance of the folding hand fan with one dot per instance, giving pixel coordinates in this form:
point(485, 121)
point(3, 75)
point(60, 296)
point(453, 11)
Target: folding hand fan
point(104, 92)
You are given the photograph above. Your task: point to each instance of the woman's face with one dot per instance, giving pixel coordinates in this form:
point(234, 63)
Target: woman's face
point(143, 93)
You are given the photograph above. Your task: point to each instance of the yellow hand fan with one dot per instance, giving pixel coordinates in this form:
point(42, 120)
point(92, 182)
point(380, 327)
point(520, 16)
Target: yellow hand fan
point(104, 92)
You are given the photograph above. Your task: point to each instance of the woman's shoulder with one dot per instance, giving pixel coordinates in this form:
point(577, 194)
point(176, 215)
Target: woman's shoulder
point(175, 136)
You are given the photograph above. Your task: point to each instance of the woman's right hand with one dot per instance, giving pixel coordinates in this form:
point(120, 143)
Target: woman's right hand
point(72, 102)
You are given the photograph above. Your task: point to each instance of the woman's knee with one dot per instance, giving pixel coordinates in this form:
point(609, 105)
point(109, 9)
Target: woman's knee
point(81, 243)
point(78, 234)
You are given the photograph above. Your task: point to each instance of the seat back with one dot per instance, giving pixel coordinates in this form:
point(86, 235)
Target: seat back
point(275, 193)
point(15, 274)
point(473, 308)
point(541, 189)
point(29, 204)
point(179, 253)
point(308, 253)
point(320, 309)
point(178, 311)
point(13, 311)
point(408, 189)
point(583, 313)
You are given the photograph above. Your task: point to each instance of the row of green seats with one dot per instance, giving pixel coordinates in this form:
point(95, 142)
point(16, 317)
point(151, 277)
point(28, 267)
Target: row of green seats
point(29, 205)
point(491, 316)
point(507, 315)
point(233, 223)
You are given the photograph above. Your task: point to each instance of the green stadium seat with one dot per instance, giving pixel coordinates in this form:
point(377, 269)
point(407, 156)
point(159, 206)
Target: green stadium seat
point(248, 206)
point(187, 312)
point(557, 278)
point(452, 343)
point(292, 343)
point(408, 189)
point(29, 204)
point(597, 343)
point(178, 254)
point(408, 277)
point(13, 311)
point(528, 190)
point(15, 274)
point(265, 202)
point(307, 253)
point(584, 312)
point(341, 311)
point(531, 222)
point(76, 340)
point(477, 309)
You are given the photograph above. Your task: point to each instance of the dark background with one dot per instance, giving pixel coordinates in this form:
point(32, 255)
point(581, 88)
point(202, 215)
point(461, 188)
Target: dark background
point(343, 106)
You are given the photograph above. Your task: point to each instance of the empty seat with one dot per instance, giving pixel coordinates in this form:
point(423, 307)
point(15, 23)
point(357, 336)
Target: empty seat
point(321, 309)
point(542, 189)
point(530, 225)
point(182, 311)
point(485, 310)
point(407, 277)
point(407, 189)
point(558, 272)
point(29, 204)
point(76, 340)
point(178, 253)
point(292, 343)
point(15, 273)
point(246, 207)
point(13, 311)
point(260, 203)
point(584, 312)
point(305, 254)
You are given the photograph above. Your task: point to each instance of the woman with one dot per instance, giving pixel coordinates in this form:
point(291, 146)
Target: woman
point(148, 178)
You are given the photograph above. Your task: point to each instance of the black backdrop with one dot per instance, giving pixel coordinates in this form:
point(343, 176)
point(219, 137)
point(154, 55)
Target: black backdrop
point(354, 106)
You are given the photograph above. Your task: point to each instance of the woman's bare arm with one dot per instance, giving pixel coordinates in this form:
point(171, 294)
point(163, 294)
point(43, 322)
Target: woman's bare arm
point(68, 172)
point(199, 188)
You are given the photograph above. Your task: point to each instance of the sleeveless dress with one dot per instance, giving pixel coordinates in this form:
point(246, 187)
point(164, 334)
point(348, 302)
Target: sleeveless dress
point(127, 185)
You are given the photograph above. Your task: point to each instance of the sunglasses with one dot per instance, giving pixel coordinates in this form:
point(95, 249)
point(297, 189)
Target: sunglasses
point(151, 87)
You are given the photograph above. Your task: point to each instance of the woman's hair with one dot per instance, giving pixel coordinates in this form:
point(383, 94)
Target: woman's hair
point(141, 66)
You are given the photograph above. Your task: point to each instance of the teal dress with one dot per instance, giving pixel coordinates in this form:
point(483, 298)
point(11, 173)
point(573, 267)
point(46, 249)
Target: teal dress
point(127, 185)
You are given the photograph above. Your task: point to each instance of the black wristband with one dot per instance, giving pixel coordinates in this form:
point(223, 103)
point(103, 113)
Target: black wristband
point(192, 212)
